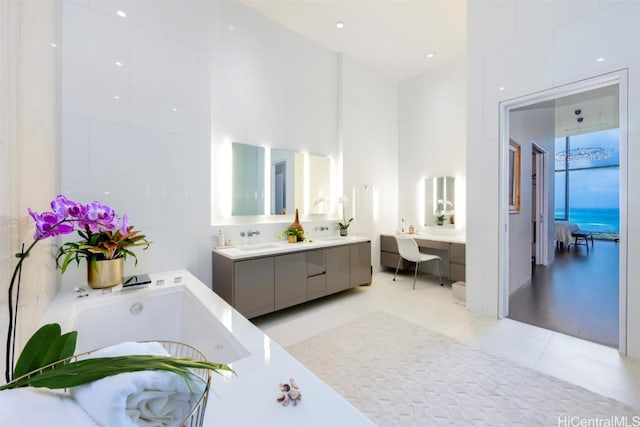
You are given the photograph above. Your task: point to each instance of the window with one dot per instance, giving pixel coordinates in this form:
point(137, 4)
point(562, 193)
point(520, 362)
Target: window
point(587, 180)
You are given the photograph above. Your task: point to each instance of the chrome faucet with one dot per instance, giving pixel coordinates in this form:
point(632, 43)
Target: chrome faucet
point(253, 233)
point(322, 228)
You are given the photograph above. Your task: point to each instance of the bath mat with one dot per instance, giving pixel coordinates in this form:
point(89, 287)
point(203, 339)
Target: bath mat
point(401, 374)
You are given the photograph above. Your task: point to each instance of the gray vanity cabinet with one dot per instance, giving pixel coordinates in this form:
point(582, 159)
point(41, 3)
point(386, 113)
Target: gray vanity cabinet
point(253, 293)
point(337, 269)
point(261, 285)
point(290, 280)
point(359, 264)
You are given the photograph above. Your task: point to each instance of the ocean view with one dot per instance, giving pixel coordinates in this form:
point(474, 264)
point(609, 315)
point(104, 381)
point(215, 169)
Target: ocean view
point(594, 219)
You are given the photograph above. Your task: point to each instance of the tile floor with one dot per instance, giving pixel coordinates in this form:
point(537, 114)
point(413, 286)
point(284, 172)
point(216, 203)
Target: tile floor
point(595, 367)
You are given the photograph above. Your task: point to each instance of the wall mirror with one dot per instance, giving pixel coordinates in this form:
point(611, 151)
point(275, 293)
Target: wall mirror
point(247, 179)
point(286, 181)
point(319, 184)
point(296, 181)
point(440, 197)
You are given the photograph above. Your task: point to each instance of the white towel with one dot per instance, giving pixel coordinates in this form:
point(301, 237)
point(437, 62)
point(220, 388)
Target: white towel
point(146, 398)
point(31, 407)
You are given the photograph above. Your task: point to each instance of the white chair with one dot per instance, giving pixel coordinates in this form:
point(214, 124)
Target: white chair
point(408, 249)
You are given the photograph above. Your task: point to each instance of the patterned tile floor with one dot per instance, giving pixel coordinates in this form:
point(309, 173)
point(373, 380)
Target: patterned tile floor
point(592, 366)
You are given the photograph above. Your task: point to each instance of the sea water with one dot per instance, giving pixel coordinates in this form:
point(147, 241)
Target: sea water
point(598, 220)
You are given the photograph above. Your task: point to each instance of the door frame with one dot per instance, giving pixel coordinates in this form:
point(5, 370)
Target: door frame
point(542, 204)
point(620, 78)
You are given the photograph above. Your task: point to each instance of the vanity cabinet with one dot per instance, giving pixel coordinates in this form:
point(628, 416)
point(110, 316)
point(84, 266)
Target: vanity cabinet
point(338, 267)
point(290, 280)
point(457, 254)
point(359, 264)
point(253, 293)
point(264, 284)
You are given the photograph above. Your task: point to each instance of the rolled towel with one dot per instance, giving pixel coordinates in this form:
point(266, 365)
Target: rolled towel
point(31, 407)
point(146, 398)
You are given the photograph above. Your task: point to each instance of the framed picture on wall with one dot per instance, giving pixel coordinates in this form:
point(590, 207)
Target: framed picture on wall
point(514, 177)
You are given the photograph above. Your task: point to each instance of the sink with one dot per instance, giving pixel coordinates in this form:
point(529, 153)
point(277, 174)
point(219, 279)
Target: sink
point(332, 238)
point(258, 247)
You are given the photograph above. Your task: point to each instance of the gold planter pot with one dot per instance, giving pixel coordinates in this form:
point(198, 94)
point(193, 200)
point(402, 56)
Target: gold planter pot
point(105, 274)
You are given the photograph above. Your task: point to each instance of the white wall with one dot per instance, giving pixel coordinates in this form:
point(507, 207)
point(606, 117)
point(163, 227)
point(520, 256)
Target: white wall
point(195, 76)
point(369, 139)
point(527, 126)
point(526, 47)
point(432, 137)
point(29, 143)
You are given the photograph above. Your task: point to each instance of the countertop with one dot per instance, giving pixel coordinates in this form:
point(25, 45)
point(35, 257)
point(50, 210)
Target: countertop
point(282, 246)
point(249, 399)
point(438, 234)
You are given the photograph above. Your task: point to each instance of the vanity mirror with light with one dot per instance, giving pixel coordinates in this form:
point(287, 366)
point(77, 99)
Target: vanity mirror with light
point(296, 180)
point(287, 192)
point(440, 196)
point(248, 179)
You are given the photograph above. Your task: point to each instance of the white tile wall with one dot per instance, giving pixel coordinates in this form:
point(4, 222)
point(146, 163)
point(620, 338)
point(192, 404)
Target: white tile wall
point(578, 36)
point(195, 76)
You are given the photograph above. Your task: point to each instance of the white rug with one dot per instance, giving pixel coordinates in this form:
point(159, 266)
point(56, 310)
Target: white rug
point(398, 373)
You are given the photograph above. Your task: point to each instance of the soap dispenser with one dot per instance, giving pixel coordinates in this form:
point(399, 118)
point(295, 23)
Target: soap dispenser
point(220, 239)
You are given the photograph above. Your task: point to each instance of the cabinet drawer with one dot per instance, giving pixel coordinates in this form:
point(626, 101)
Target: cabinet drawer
point(432, 244)
point(457, 253)
point(316, 286)
point(388, 244)
point(316, 262)
point(457, 272)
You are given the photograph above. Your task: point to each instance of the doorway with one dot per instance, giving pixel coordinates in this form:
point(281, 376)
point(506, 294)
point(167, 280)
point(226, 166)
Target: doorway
point(513, 243)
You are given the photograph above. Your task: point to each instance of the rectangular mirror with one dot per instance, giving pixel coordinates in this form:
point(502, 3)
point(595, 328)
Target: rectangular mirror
point(319, 184)
point(248, 179)
point(440, 196)
point(286, 181)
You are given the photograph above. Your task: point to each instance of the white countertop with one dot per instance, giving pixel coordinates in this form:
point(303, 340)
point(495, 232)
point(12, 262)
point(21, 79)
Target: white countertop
point(282, 246)
point(249, 399)
point(450, 235)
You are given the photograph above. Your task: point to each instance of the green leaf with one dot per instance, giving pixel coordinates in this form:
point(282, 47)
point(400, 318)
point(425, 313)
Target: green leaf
point(35, 350)
point(62, 348)
point(88, 370)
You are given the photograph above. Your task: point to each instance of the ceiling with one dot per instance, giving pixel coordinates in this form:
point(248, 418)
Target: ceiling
point(391, 36)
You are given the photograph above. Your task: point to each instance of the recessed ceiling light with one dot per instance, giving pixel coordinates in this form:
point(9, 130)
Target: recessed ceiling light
point(121, 14)
point(174, 109)
point(339, 25)
point(601, 59)
point(116, 97)
point(118, 63)
point(231, 27)
point(53, 45)
point(430, 55)
point(501, 88)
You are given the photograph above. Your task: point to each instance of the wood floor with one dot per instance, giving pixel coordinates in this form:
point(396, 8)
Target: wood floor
point(576, 295)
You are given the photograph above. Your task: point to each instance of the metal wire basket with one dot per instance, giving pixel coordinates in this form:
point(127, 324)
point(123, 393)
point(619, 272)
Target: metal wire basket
point(175, 349)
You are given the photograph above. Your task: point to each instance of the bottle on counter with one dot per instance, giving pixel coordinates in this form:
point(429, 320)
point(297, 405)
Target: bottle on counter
point(220, 242)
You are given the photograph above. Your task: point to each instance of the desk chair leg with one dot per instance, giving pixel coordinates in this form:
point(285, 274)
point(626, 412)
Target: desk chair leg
point(415, 275)
point(397, 267)
point(439, 275)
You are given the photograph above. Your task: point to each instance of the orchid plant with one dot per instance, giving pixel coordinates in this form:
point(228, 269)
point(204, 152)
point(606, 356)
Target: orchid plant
point(104, 236)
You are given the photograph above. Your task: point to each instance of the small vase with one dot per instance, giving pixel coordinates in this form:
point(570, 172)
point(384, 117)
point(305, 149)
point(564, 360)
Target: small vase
point(296, 225)
point(344, 231)
point(105, 274)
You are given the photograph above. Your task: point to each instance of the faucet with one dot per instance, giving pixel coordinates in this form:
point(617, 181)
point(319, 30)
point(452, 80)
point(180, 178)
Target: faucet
point(253, 233)
point(322, 228)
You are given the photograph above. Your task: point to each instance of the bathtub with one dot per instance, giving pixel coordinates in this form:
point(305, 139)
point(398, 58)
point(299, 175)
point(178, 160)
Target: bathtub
point(176, 306)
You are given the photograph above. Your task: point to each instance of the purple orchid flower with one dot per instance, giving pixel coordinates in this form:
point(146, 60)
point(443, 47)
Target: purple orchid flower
point(48, 225)
point(124, 226)
point(100, 217)
point(64, 208)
